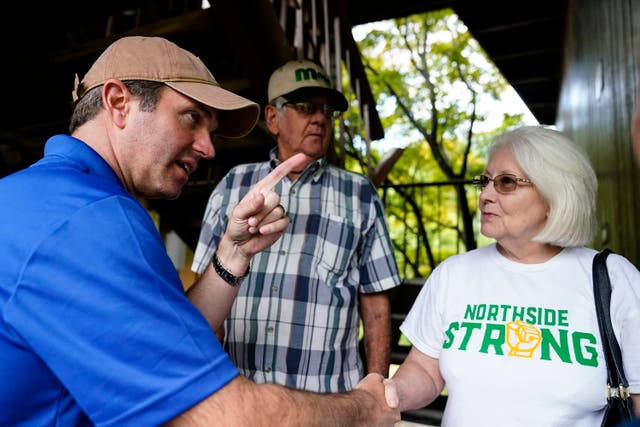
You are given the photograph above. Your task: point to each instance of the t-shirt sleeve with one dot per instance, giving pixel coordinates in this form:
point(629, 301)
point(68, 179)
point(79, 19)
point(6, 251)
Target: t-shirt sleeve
point(101, 303)
point(423, 324)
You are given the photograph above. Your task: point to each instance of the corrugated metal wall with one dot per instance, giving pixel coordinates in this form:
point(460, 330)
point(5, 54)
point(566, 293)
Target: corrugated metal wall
point(601, 77)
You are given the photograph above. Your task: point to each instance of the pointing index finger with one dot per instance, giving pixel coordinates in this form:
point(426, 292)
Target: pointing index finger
point(295, 162)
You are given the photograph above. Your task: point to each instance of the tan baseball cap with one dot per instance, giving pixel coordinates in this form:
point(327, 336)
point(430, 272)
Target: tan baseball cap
point(157, 59)
point(301, 79)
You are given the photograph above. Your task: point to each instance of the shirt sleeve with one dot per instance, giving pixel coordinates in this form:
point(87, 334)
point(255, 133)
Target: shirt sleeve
point(214, 222)
point(378, 266)
point(209, 233)
point(423, 324)
point(101, 303)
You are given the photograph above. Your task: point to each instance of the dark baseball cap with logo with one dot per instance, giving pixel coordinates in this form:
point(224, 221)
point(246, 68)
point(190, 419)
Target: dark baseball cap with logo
point(300, 80)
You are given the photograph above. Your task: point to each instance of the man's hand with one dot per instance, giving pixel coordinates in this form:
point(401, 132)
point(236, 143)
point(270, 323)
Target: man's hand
point(383, 410)
point(258, 220)
point(255, 223)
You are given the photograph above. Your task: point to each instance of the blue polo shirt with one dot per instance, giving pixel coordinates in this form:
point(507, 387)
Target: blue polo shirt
point(95, 328)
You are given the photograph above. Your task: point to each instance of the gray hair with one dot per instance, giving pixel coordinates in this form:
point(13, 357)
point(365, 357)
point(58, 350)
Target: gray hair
point(564, 176)
point(279, 104)
point(88, 107)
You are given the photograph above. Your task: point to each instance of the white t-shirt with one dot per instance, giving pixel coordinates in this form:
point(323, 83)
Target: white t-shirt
point(519, 344)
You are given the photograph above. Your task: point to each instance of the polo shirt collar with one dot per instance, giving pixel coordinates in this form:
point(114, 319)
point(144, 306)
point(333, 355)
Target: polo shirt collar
point(83, 157)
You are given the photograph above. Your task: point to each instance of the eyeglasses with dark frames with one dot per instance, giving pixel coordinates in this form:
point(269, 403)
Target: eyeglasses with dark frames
point(308, 108)
point(504, 183)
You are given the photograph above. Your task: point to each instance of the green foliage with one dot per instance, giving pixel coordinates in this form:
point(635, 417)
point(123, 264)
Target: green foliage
point(431, 81)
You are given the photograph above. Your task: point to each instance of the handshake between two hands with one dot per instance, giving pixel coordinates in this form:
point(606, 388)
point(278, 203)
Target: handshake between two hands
point(384, 411)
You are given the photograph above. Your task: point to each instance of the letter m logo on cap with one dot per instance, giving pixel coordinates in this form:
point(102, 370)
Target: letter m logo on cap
point(310, 73)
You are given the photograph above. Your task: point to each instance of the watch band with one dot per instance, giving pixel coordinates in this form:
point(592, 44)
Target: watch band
point(226, 274)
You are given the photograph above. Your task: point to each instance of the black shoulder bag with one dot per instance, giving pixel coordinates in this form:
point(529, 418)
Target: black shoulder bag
point(618, 393)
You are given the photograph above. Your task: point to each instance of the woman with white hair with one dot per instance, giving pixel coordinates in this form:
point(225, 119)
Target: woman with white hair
point(511, 328)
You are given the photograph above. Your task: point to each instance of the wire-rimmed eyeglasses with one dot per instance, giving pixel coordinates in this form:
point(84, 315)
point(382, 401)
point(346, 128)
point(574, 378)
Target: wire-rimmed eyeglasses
point(504, 183)
point(308, 108)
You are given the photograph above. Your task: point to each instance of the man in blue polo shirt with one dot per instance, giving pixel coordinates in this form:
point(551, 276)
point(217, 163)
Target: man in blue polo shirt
point(95, 328)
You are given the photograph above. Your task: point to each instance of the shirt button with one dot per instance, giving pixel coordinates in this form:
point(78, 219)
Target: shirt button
point(283, 253)
point(274, 288)
point(268, 370)
point(270, 329)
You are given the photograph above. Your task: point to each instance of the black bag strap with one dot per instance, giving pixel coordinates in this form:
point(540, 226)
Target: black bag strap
point(617, 385)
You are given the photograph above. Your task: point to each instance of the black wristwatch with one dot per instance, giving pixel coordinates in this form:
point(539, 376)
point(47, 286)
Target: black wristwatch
point(226, 274)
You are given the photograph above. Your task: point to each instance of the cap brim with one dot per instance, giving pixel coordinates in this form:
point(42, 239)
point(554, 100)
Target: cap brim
point(237, 115)
point(337, 99)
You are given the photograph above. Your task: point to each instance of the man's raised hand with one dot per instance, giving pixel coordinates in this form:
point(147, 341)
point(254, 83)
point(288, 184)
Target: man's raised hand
point(258, 220)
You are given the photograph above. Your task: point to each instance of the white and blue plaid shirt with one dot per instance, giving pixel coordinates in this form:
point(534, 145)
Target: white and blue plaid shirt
point(295, 320)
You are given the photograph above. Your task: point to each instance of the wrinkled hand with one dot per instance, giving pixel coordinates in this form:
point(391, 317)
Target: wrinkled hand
point(258, 220)
point(383, 409)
